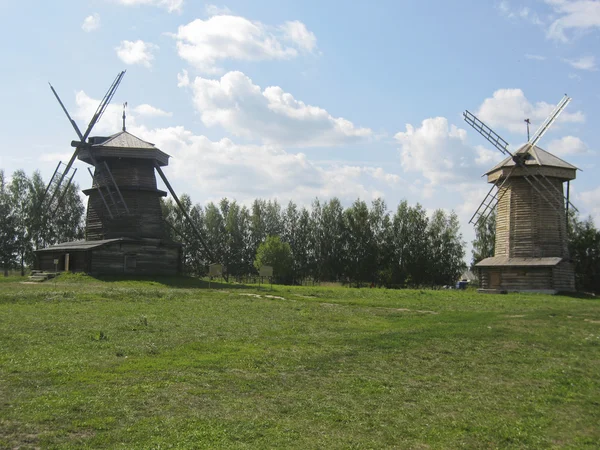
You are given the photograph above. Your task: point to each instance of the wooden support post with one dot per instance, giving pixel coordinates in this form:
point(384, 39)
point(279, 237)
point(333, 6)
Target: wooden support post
point(198, 235)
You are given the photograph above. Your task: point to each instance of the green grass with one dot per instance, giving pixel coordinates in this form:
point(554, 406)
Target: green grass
point(171, 364)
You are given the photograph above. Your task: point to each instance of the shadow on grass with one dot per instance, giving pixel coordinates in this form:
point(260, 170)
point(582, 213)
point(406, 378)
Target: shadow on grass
point(176, 281)
point(582, 295)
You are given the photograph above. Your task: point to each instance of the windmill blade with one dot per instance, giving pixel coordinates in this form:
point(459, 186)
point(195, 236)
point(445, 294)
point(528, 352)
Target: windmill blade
point(55, 188)
point(103, 104)
point(66, 112)
point(191, 223)
point(490, 201)
point(549, 120)
point(61, 197)
point(493, 137)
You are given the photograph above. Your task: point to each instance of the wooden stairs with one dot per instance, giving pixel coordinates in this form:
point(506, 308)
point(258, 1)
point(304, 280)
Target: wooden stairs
point(40, 275)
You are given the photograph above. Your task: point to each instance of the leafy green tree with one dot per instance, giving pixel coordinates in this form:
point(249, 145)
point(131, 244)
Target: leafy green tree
point(410, 245)
point(315, 260)
point(8, 228)
point(302, 244)
point(216, 235)
point(333, 240)
point(484, 243)
point(380, 224)
point(273, 219)
point(361, 257)
point(277, 254)
point(584, 248)
point(235, 224)
point(446, 249)
point(258, 229)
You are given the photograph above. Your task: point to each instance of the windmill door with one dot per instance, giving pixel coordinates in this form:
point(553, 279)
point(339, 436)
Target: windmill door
point(495, 280)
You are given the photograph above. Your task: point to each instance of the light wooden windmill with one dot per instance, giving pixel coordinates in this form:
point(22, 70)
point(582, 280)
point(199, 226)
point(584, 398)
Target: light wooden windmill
point(125, 228)
point(531, 252)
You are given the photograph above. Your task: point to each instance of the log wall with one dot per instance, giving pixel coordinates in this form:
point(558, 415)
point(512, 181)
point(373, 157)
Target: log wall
point(527, 225)
point(142, 258)
point(137, 182)
point(517, 278)
point(564, 277)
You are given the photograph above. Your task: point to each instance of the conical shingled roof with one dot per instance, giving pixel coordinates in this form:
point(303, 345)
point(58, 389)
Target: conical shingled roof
point(123, 139)
point(536, 157)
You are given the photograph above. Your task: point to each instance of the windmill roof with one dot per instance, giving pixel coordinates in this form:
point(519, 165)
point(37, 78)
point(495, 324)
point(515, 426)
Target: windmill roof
point(123, 139)
point(519, 262)
point(81, 245)
point(537, 157)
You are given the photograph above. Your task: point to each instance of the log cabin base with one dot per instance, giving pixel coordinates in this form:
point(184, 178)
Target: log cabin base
point(536, 275)
point(113, 257)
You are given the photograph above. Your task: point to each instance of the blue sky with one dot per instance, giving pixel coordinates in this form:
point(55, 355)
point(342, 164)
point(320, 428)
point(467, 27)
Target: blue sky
point(297, 100)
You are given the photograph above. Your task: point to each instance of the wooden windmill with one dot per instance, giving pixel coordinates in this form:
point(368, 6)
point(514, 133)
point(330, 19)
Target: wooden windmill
point(125, 229)
point(531, 252)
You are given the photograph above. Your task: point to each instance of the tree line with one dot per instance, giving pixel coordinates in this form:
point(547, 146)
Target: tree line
point(26, 224)
point(584, 248)
point(326, 242)
point(358, 244)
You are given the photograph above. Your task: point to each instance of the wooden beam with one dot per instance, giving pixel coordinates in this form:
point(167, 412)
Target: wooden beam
point(198, 235)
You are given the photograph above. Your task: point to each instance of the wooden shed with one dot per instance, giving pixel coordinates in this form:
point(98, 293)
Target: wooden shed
point(112, 256)
point(531, 252)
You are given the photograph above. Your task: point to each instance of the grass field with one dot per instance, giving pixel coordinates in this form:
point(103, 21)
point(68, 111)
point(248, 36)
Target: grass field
point(173, 364)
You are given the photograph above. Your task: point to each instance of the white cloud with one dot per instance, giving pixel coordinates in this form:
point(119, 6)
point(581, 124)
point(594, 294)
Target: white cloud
point(508, 108)
point(169, 5)
point(520, 13)
point(272, 116)
point(210, 170)
point(91, 23)
point(203, 43)
point(591, 201)
point(244, 172)
point(568, 145)
point(297, 33)
point(583, 63)
point(535, 57)
point(214, 10)
point(138, 52)
point(440, 152)
point(111, 121)
point(183, 79)
point(575, 16)
point(151, 111)
point(574, 76)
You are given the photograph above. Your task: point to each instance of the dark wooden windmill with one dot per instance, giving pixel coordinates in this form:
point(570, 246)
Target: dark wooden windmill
point(531, 252)
point(125, 230)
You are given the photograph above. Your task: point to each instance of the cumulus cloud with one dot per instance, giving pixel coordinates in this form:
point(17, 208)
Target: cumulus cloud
point(91, 23)
point(440, 152)
point(583, 63)
point(574, 16)
point(138, 52)
point(507, 109)
point(214, 10)
point(535, 57)
point(591, 201)
point(151, 111)
point(169, 5)
point(244, 172)
point(272, 115)
point(518, 13)
point(568, 145)
point(204, 43)
point(297, 33)
point(209, 170)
